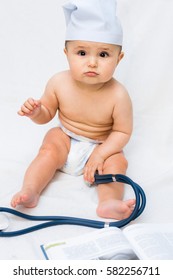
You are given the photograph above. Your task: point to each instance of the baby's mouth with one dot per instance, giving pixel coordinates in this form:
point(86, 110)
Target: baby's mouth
point(91, 74)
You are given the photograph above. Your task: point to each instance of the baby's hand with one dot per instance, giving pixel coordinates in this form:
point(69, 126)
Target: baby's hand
point(95, 163)
point(30, 108)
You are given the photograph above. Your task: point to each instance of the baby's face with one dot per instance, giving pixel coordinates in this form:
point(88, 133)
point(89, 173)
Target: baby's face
point(92, 62)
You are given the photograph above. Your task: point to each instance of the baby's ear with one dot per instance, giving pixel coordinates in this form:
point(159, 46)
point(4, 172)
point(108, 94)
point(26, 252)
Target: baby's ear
point(65, 51)
point(121, 55)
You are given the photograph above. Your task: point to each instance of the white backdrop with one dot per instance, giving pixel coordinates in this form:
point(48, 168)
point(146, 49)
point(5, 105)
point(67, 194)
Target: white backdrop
point(31, 51)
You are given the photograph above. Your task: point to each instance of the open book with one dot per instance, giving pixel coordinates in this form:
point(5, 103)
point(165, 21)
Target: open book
point(138, 241)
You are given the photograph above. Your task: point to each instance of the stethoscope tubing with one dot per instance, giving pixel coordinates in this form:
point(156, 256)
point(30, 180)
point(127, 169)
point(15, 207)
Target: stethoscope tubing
point(49, 221)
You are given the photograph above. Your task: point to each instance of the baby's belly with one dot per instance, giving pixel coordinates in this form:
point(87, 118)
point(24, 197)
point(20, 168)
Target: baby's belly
point(92, 131)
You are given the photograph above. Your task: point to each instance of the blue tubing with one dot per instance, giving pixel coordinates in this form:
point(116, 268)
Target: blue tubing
point(49, 221)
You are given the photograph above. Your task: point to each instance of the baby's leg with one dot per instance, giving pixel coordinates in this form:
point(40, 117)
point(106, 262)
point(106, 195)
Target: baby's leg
point(110, 195)
point(52, 156)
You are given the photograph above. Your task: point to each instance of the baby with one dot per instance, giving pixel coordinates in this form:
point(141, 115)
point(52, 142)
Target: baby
point(94, 111)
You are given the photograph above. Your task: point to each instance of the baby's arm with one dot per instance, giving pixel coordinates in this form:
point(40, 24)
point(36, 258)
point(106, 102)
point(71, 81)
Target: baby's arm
point(117, 139)
point(43, 110)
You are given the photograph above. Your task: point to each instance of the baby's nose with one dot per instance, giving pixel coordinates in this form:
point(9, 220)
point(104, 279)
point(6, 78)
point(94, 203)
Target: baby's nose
point(92, 61)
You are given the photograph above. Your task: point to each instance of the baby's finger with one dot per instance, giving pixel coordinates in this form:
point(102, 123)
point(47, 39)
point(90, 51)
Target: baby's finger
point(30, 104)
point(89, 172)
point(100, 168)
point(25, 110)
point(20, 113)
point(85, 175)
point(34, 103)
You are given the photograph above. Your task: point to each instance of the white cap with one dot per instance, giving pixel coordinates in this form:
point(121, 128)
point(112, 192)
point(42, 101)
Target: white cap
point(93, 20)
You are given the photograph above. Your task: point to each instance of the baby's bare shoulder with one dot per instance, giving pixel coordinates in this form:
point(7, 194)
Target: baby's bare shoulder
point(119, 88)
point(118, 91)
point(58, 78)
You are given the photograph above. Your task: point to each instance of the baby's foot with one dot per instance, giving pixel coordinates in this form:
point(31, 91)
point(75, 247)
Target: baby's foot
point(27, 198)
point(116, 209)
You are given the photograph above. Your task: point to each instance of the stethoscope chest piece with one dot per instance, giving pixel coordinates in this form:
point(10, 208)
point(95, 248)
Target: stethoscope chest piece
point(4, 222)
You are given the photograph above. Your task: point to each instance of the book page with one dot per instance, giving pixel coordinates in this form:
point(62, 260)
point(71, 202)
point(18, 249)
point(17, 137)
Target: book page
point(107, 243)
point(151, 241)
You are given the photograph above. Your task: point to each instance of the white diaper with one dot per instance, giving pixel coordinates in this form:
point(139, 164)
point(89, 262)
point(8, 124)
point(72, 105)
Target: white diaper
point(80, 150)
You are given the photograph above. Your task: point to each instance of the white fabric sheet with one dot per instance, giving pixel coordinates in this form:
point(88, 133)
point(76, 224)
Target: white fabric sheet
point(31, 51)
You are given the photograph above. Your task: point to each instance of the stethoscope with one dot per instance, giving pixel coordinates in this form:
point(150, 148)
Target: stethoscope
point(49, 221)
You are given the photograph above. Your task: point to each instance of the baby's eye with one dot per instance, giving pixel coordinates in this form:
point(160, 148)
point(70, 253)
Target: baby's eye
point(82, 53)
point(104, 54)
